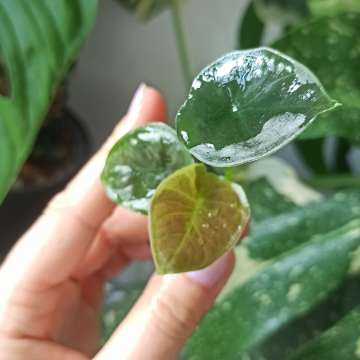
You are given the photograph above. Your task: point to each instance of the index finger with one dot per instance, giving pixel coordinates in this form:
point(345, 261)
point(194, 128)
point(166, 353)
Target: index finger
point(50, 251)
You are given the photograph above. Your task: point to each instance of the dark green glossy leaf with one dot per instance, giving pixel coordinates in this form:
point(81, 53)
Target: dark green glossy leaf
point(195, 217)
point(38, 42)
point(342, 341)
point(330, 47)
point(281, 233)
point(282, 290)
point(139, 161)
point(333, 7)
point(145, 9)
point(247, 105)
point(251, 28)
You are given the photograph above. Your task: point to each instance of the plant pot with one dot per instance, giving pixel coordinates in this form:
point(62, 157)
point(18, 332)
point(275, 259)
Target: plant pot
point(23, 205)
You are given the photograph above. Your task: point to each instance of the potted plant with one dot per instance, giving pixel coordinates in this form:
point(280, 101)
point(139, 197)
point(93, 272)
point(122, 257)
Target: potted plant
point(295, 291)
point(60, 149)
point(34, 112)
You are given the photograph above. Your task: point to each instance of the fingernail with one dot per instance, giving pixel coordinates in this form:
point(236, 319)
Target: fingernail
point(136, 102)
point(212, 274)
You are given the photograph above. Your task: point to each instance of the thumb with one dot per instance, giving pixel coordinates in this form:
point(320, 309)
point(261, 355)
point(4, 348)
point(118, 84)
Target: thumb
point(167, 313)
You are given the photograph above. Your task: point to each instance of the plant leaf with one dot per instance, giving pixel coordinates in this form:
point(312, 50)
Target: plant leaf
point(247, 105)
point(281, 233)
point(339, 342)
point(251, 28)
point(282, 290)
point(265, 201)
point(287, 341)
point(139, 161)
point(145, 9)
point(333, 7)
point(195, 217)
point(281, 176)
point(38, 43)
point(330, 46)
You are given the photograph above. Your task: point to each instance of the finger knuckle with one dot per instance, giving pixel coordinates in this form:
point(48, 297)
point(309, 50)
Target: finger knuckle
point(174, 317)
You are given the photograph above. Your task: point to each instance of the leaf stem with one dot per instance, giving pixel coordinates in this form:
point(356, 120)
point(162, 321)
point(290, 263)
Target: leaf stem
point(229, 174)
point(181, 42)
point(334, 181)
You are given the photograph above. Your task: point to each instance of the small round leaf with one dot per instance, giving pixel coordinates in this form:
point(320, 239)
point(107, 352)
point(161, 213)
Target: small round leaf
point(139, 161)
point(247, 105)
point(195, 217)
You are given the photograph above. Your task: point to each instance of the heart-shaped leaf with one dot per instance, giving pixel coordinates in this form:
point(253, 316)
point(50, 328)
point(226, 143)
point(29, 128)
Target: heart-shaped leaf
point(139, 161)
point(195, 217)
point(247, 105)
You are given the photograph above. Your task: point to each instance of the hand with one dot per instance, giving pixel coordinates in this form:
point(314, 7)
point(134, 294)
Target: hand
point(52, 282)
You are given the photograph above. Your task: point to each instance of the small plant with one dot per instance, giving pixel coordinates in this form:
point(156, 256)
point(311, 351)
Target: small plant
point(244, 106)
point(294, 293)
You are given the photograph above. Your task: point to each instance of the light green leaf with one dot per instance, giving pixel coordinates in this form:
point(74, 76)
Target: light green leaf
point(281, 233)
point(139, 161)
point(333, 7)
point(38, 42)
point(330, 47)
point(281, 291)
point(247, 105)
point(342, 341)
point(195, 217)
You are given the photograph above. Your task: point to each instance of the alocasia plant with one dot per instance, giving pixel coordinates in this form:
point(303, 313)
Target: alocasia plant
point(295, 290)
point(241, 108)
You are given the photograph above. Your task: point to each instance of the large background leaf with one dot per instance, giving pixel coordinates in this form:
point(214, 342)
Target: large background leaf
point(340, 342)
point(271, 237)
point(335, 62)
point(283, 290)
point(38, 43)
point(249, 104)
